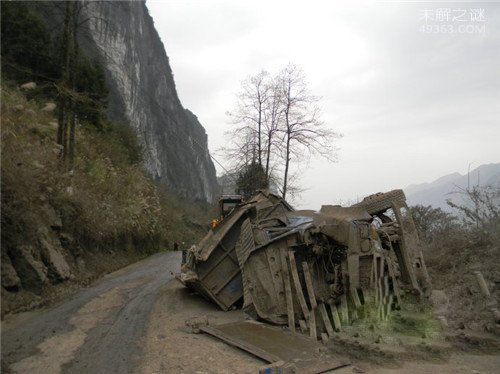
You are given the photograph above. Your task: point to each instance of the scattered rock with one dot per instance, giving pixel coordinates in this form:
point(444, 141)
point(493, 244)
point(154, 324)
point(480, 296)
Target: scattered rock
point(69, 190)
point(18, 108)
point(356, 369)
point(58, 267)
point(379, 339)
point(28, 86)
point(29, 268)
point(49, 107)
point(439, 301)
point(52, 218)
point(30, 111)
point(53, 124)
point(38, 165)
point(66, 240)
point(10, 279)
point(443, 321)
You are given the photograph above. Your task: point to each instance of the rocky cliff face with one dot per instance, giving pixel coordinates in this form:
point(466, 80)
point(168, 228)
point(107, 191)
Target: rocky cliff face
point(121, 34)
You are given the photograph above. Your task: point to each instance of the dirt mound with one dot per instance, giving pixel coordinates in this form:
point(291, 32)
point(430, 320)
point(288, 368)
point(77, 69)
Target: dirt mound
point(452, 269)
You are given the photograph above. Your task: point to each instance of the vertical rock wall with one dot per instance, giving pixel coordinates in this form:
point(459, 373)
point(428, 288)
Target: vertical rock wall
point(122, 36)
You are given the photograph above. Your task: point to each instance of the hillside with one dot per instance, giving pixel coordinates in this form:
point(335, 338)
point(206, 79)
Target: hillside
point(437, 192)
point(62, 228)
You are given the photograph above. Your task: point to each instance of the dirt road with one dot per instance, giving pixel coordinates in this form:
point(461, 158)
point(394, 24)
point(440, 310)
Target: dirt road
point(132, 321)
point(98, 330)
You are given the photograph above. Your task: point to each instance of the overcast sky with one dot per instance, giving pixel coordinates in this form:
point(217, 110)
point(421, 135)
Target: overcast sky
point(414, 87)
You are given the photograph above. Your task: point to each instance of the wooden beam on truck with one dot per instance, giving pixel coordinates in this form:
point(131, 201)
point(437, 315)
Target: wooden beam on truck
point(355, 297)
point(344, 313)
point(297, 285)
point(335, 315)
point(326, 319)
point(288, 290)
point(312, 300)
point(303, 326)
point(312, 324)
point(395, 285)
point(309, 284)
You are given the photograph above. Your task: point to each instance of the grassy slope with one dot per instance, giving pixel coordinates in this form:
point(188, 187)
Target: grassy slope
point(110, 209)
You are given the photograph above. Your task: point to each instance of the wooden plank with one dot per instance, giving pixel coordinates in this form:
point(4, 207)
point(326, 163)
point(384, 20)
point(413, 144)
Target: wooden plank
point(388, 306)
point(353, 269)
point(309, 285)
point(382, 266)
point(355, 297)
point(375, 279)
point(297, 285)
point(303, 326)
point(288, 290)
point(386, 285)
point(395, 284)
point(335, 315)
point(326, 319)
point(380, 291)
point(373, 275)
point(256, 351)
point(312, 324)
point(354, 315)
point(343, 309)
point(312, 301)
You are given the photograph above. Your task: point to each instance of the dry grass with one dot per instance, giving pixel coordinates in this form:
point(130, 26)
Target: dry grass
point(103, 200)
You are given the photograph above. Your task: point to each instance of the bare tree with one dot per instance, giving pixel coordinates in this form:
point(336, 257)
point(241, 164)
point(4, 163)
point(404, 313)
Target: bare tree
point(248, 115)
point(276, 121)
point(303, 131)
point(273, 112)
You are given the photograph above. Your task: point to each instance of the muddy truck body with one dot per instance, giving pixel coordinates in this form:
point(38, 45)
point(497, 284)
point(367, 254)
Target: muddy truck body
point(309, 269)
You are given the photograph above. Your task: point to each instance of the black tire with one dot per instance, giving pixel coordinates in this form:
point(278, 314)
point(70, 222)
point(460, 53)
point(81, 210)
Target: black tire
point(378, 203)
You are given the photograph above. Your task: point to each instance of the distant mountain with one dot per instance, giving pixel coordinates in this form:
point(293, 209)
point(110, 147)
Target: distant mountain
point(437, 192)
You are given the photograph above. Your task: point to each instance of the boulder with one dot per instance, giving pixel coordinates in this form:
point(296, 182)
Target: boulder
point(28, 86)
point(66, 240)
point(52, 218)
point(18, 108)
point(49, 107)
point(52, 257)
point(439, 301)
point(10, 279)
point(31, 271)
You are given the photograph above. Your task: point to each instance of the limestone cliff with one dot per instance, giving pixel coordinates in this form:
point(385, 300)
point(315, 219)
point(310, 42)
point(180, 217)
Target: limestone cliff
point(121, 34)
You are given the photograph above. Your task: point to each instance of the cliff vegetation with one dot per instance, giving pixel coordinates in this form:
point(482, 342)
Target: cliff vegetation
point(73, 208)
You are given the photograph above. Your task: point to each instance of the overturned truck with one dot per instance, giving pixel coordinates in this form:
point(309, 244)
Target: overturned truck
point(312, 270)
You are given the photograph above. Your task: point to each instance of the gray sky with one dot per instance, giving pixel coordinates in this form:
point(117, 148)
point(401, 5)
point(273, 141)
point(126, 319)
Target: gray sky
point(414, 87)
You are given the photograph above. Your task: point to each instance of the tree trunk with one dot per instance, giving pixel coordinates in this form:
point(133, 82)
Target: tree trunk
point(62, 126)
point(287, 164)
point(74, 63)
point(259, 144)
point(268, 156)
